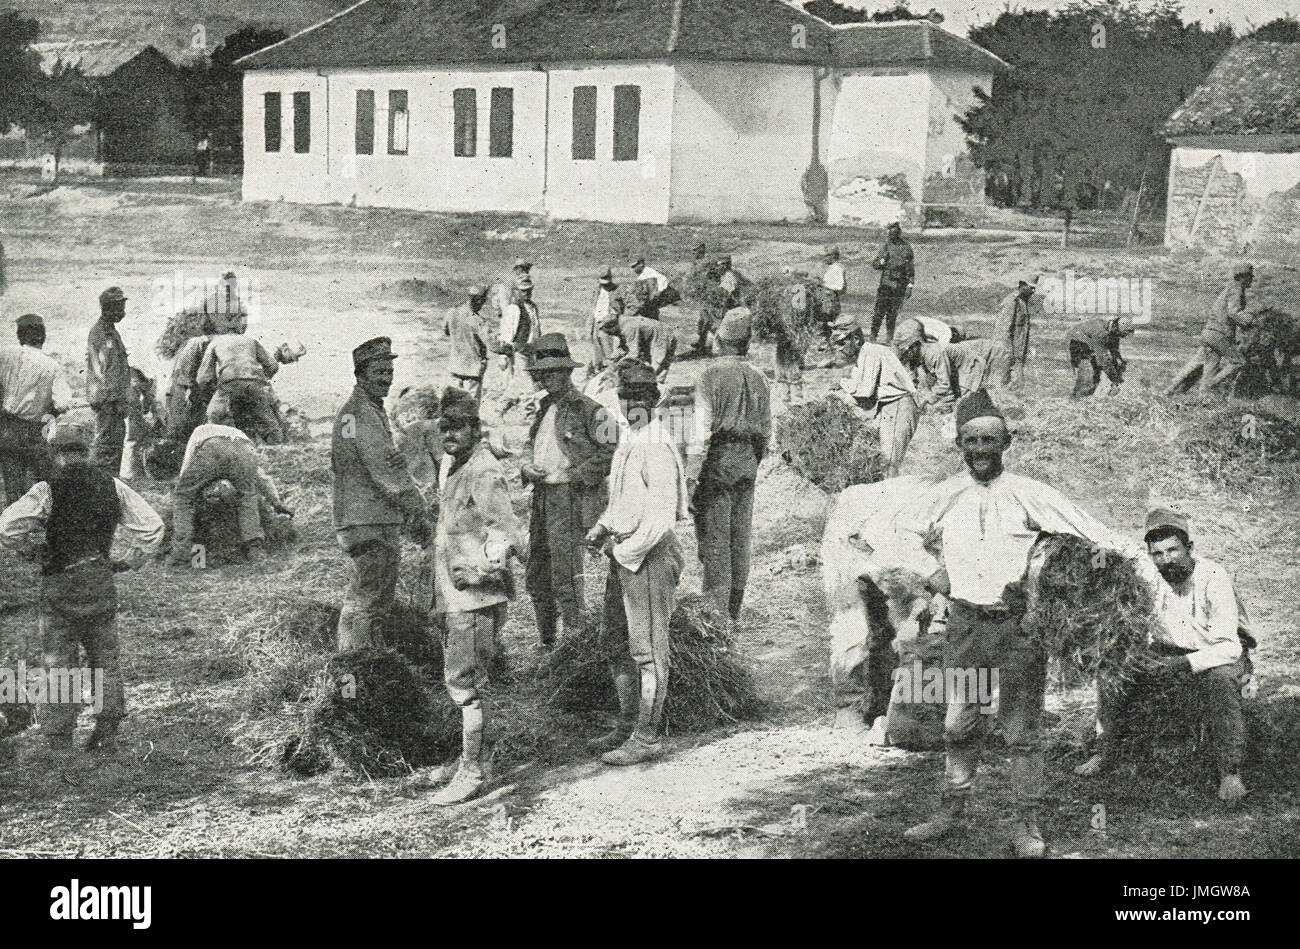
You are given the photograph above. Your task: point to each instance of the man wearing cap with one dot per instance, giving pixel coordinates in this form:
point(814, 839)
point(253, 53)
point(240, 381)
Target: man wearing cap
point(1011, 333)
point(834, 285)
point(520, 327)
point(33, 390)
point(647, 497)
point(477, 533)
point(1220, 357)
point(374, 495)
point(1094, 349)
point(897, 275)
point(883, 391)
point(1200, 648)
point(733, 422)
point(76, 514)
point(240, 369)
point(467, 329)
point(604, 345)
point(978, 528)
point(641, 337)
point(566, 460)
point(217, 451)
point(108, 380)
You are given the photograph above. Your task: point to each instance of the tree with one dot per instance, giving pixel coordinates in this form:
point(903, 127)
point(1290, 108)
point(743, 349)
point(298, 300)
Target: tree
point(832, 11)
point(57, 105)
point(20, 68)
point(1285, 29)
point(215, 101)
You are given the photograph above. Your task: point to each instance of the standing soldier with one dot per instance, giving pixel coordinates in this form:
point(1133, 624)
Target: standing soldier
point(604, 345)
point(984, 523)
point(80, 509)
point(33, 391)
point(733, 422)
point(1011, 333)
point(1094, 349)
point(834, 285)
point(1219, 357)
point(647, 497)
point(476, 534)
point(883, 391)
point(520, 326)
point(241, 370)
point(108, 380)
point(374, 495)
point(897, 275)
point(466, 327)
point(566, 460)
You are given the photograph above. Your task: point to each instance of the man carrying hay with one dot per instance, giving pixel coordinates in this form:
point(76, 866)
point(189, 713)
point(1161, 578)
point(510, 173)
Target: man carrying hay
point(108, 380)
point(1220, 357)
point(882, 390)
point(1094, 349)
point(897, 275)
point(79, 510)
point(732, 425)
point(476, 535)
point(1200, 646)
point(33, 390)
point(984, 523)
point(240, 369)
point(566, 460)
point(647, 497)
point(467, 329)
point(374, 495)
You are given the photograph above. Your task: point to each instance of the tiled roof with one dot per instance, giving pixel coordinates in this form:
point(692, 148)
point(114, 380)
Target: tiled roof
point(1253, 90)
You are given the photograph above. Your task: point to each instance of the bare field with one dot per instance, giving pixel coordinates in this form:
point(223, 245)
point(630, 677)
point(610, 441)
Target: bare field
point(334, 276)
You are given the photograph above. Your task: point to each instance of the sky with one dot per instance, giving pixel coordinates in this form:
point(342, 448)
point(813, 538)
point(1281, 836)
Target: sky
point(960, 15)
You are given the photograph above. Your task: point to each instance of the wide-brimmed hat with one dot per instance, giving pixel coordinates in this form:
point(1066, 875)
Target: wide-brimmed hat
point(551, 351)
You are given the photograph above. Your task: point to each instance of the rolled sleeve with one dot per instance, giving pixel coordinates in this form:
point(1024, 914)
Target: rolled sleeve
point(141, 522)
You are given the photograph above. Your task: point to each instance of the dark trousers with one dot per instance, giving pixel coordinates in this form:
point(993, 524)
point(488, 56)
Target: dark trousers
point(724, 514)
point(249, 404)
point(1213, 696)
point(889, 302)
point(77, 612)
point(110, 433)
point(1086, 371)
point(369, 600)
point(554, 574)
point(24, 458)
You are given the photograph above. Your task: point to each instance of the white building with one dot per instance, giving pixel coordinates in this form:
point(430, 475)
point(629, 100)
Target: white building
point(642, 111)
point(1234, 173)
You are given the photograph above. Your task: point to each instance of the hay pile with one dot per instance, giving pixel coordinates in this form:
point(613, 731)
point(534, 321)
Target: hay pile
point(180, 328)
point(1245, 448)
point(708, 682)
point(776, 318)
point(830, 446)
point(1093, 613)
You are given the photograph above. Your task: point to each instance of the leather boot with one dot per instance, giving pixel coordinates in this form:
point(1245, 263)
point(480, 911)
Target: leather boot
point(625, 688)
point(644, 744)
point(1026, 838)
point(468, 780)
point(950, 818)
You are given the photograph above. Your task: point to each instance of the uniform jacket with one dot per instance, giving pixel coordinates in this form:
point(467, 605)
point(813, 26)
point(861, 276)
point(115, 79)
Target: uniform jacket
point(371, 482)
point(895, 264)
point(588, 435)
point(1228, 314)
point(476, 526)
point(231, 357)
point(108, 377)
point(469, 334)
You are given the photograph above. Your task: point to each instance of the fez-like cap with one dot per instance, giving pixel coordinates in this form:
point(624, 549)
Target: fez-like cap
point(909, 331)
point(736, 326)
point(112, 295)
point(1243, 269)
point(976, 405)
point(606, 275)
point(29, 321)
point(458, 408)
point(69, 438)
point(1161, 518)
point(522, 264)
point(552, 352)
point(381, 347)
point(634, 374)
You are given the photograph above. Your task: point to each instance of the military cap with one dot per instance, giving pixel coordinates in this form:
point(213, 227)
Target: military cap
point(976, 405)
point(606, 275)
point(112, 295)
point(1159, 518)
point(736, 326)
point(69, 438)
point(477, 292)
point(381, 347)
point(634, 374)
point(458, 407)
point(29, 321)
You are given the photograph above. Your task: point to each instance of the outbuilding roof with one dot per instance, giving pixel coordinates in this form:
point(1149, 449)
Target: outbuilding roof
point(1253, 90)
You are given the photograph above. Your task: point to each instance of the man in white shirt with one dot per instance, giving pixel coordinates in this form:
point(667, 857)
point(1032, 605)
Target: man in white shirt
point(33, 390)
point(1200, 645)
point(883, 391)
point(984, 523)
point(604, 346)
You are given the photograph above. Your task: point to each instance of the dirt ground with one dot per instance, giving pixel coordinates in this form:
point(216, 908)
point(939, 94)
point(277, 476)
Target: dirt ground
point(784, 786)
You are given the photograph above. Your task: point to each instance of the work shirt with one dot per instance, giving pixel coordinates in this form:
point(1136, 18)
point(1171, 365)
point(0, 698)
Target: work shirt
point(476, 529)
point(520, 325)
point(23, 522)
point(108, 376)
point(937, 373)
point(729, 281)
point(985, 531)
point(185, 370)
point(965, 357)
point(32, 384)
point(547, 454)
point(895, 264)
point(371, 482)
point(878, 376)
point(1203, 614)
point(660, 281)
point(731, 400)
point(647, 493)
point(266, 487)
point(233, 357)
point(1226, 316)
point(1097, 335)
point(935, 330)
point(1011, 327)
point(467, 330)
point(834, 278)
point(600, 315)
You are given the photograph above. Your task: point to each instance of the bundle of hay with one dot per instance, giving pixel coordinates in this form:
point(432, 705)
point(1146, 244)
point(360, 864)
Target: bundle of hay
point(1090, 609)
point(830, 446)
point(708, 683)
point(785, 308)
point(372, 713)
point(1245, 448)
point(181, 327)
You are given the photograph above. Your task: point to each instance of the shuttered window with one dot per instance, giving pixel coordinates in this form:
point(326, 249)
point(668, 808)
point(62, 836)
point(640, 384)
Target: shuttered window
point(501, 123)
point(302, 122)
point(271, 120)
point(584, 123)
point(627, 122)
point(365, 121)
point(399, 122)
point(464, 104)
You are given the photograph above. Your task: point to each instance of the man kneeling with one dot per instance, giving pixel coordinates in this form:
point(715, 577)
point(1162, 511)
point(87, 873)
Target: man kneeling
point(1201, 644)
